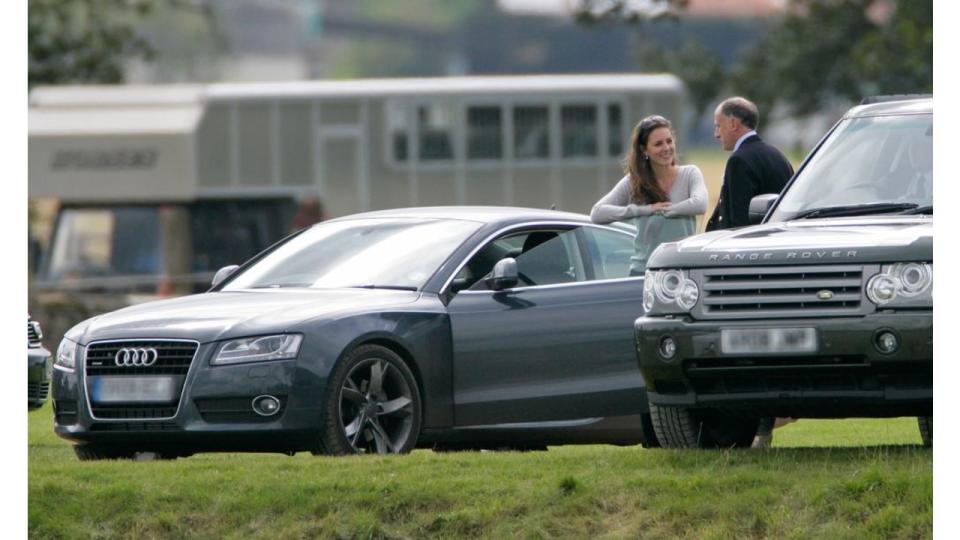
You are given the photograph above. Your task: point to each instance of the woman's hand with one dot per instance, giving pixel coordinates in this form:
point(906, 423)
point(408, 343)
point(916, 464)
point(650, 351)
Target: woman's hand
point(660, 207)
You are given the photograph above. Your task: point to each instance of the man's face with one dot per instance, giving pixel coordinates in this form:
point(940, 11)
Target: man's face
point(726, 129)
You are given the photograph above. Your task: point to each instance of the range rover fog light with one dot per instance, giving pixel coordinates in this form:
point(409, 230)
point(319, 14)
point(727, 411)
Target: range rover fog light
point(266, 405)
point(668, 348)
point(886, 342)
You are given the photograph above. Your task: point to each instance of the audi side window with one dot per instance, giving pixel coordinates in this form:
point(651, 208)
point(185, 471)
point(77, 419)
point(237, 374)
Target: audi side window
point(544, 257)
point(610, 252)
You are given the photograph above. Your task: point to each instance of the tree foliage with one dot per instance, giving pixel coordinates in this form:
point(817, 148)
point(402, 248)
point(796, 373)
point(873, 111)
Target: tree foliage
point(820, 52)
point(83, 41)
point(88, 41)
point(825, 50)
point(590, 11)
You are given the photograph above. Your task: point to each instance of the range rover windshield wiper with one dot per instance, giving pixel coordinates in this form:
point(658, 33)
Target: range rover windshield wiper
point(925, 209)
point(856, 210)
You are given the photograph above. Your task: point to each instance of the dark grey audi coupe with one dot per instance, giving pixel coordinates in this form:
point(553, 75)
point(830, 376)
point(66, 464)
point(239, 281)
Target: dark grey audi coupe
point(444, 328)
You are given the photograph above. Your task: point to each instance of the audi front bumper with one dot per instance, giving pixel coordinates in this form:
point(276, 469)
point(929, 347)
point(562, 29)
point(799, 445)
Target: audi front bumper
point(845, 376)
point(213, 410)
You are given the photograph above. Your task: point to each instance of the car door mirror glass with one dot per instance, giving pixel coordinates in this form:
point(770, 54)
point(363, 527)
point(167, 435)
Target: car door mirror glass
point(223, 274)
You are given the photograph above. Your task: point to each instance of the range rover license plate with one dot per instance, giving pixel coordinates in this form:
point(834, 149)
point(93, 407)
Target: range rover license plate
point(768, 340)
point(134, 389)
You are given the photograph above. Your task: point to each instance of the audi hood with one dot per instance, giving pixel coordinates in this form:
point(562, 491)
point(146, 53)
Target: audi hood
point(874, 239)
point(223, 315)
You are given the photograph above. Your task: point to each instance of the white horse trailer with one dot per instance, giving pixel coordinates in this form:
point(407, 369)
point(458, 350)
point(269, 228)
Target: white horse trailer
point(160, 185)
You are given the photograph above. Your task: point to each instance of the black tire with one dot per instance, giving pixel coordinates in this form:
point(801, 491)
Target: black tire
point(696, 428)
point(926, 429)
point(93, 452)
point(373, 405)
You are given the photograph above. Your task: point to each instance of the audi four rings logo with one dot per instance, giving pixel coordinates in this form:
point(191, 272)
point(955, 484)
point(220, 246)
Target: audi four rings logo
point(135, 356)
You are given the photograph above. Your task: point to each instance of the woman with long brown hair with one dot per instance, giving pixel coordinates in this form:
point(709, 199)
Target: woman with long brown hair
point(659, 196)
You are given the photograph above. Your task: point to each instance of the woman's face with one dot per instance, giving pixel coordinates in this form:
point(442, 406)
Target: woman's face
point(660, 146)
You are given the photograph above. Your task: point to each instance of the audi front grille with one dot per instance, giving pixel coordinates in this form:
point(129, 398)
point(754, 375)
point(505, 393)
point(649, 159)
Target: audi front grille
point(782, 291)
point(126, 359)
point(172, 358)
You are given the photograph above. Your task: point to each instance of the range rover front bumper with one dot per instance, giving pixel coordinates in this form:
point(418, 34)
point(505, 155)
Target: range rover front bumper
point(845, 376)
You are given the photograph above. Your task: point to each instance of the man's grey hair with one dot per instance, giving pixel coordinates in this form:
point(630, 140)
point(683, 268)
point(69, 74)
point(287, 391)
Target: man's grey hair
point(742, 109)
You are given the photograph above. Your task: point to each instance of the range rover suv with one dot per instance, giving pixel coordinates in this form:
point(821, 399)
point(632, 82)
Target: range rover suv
point(823, 310)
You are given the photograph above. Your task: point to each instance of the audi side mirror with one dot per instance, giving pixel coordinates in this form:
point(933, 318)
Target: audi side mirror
point(760, 205)
point(223, 274)
point(504, 275)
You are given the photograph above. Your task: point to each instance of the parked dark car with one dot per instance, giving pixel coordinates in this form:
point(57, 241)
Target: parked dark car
point(38, 367)
point(825, 310)
point(447, 328)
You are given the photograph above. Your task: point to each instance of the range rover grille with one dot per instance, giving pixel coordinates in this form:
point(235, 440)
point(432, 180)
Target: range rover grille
point(782, 291)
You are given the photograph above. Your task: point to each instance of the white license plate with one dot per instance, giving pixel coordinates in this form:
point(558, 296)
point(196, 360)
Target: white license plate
point(134, 389)
point(768, 340)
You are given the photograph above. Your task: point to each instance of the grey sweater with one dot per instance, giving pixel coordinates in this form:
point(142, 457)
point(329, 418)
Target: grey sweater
point(688, 198)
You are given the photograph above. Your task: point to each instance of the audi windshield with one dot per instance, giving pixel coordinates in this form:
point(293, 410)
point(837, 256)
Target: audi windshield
point(391, 253)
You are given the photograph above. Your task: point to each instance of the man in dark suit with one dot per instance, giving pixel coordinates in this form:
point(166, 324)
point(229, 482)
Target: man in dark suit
point(753, 169)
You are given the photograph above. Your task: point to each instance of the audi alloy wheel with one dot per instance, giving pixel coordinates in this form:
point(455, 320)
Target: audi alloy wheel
point(373, 405)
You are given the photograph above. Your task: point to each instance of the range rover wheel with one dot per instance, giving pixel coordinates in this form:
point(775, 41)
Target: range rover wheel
point(94, 452)
point(926, 429)
point(373, 405)
point(699, 428)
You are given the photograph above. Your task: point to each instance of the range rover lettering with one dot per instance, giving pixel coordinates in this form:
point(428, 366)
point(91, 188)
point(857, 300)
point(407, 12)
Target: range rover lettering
point(824, 310)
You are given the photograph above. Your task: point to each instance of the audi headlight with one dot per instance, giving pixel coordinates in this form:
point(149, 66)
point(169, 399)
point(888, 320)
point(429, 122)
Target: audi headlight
point(66, 355)
point(669, 291)
point(258, 349)
point(902, 285)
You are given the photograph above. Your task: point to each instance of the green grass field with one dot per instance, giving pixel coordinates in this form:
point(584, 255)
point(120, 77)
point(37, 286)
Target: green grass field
point(829, 479)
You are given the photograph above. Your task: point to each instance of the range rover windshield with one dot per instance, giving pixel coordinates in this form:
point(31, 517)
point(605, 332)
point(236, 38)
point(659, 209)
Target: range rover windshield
point(869, 165)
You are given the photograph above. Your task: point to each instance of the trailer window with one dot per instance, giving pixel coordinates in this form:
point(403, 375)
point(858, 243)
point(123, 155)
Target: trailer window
point(397, 127)
point(578, 130)
point(94, 242)
point(531, 132)
point(231, 232)
point(484, 133)
point(614, 130)
point(435, 130)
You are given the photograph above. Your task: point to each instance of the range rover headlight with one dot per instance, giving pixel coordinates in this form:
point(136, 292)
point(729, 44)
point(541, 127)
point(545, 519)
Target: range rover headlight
point(902, 285)
point(258, 349)
point(66, 355)
point(669, 291)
